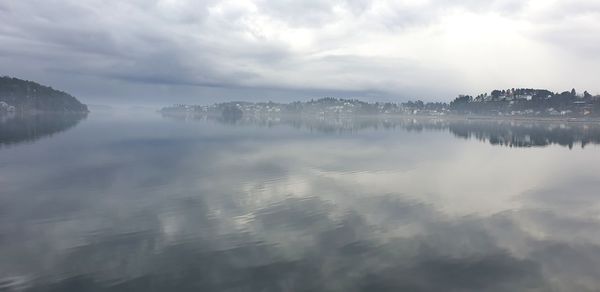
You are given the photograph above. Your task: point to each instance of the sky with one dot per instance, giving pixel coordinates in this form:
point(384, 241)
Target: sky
point(171, 51)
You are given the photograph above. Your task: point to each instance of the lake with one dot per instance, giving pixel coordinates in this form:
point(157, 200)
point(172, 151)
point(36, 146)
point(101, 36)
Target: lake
point(137, 201)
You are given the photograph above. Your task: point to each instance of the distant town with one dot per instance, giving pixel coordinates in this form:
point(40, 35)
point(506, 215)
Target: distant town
point(508, 102)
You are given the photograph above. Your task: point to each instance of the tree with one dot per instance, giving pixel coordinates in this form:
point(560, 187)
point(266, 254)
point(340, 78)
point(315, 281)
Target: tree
point(496, 93)
point(461, 102)
point(231, 113)
point(573, 92)
point(28, 96)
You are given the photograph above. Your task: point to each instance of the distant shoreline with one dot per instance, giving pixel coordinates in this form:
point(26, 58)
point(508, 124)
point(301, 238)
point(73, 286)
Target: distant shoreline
point(514, 105)
point(494, 118)
point(522, 118)
point(451, 117)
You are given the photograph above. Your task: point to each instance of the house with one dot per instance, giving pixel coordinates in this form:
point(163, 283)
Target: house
point(5, 107)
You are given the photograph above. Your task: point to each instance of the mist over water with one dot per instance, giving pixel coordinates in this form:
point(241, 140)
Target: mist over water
point(144, 202)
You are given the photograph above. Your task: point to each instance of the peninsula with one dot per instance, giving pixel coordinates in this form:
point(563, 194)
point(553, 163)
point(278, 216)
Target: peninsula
point(22, 96)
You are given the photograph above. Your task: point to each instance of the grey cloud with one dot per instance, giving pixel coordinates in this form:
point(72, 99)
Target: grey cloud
point(505, 6)
point(571, 26)
point(298, 12)
point(312, 13)
point(574, 38)
point(410, 16)
point(229, 45)
point(131, 54)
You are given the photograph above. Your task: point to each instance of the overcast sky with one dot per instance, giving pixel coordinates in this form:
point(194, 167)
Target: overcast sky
point(205, 51)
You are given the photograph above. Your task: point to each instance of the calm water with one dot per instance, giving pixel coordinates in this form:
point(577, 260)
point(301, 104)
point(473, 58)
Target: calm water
point(140, 202)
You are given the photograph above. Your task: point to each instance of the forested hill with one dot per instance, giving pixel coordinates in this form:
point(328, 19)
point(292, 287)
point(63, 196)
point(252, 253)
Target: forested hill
point(27, 96)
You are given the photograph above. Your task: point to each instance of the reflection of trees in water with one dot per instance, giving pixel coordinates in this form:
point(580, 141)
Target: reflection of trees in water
point(496, 132)
point(528, 134)
point(231, 114)
point(19, 128)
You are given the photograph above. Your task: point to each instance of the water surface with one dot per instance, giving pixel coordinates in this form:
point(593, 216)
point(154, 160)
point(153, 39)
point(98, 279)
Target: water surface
point(140, 202)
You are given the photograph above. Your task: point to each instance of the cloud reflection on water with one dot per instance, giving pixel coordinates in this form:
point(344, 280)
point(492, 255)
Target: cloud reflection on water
point(203, 206)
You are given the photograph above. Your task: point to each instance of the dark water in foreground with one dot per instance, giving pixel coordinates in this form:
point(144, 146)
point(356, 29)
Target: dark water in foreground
point(140, 202)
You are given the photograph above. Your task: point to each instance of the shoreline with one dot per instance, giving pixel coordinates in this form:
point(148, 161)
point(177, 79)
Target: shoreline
point(402, 116)
point(487, 118)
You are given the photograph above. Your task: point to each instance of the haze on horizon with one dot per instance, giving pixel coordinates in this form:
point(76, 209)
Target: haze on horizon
point(167, 51)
